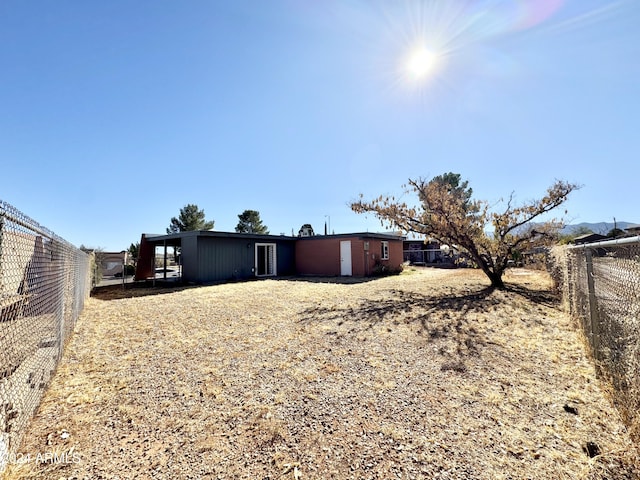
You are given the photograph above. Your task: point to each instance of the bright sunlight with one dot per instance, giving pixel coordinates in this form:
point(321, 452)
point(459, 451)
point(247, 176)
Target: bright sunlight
point(420, 63)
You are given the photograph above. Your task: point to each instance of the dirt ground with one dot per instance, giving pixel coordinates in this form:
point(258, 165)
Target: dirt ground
point(429, 374)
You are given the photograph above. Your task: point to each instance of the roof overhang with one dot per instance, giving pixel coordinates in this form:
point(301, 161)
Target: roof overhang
point(175, 239)
point(362, 235)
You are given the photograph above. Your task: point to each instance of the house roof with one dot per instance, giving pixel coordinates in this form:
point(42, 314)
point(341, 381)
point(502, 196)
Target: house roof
point(377, 236)
point(588, 238)
point(175, 238)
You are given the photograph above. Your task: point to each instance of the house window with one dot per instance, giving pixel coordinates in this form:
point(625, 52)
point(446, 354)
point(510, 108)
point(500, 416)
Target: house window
point(384, 252)
point(265, 259)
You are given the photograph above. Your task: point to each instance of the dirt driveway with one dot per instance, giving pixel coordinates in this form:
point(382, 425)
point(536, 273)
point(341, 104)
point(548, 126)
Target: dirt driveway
point(425, 375)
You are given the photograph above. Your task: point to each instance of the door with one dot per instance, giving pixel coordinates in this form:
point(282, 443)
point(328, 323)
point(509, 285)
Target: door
point(265, 259)
point(345, 258)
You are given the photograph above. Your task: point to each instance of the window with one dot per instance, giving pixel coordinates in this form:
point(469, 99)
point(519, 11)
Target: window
point(384, 253)
point(265, 259)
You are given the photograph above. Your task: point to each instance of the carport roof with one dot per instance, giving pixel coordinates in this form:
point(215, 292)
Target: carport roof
point(176, 238)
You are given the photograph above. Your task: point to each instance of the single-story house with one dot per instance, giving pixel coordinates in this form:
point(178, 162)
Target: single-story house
point(632, 230)
point(588, 238)
point(210, 256)
point(111, 262)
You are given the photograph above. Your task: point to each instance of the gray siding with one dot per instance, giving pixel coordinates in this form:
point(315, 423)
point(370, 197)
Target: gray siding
point(222, 256)
point(286, 257)
point(189, 259)
point(224, 259)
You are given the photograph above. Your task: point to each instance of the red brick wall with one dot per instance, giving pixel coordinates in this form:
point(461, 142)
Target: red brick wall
point(318, 256)
point(375, 255)
point(396, 254)
point(358, 257)
point(322, 256)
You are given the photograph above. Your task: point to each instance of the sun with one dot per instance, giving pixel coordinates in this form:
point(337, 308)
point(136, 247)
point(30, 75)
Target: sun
point(420, 63)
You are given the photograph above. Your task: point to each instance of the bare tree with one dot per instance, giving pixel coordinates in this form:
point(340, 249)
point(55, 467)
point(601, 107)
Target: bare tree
point(448, 214)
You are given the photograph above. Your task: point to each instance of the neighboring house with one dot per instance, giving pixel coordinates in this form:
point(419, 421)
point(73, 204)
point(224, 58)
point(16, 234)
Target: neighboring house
point(111, 262)
point(588, 238)
point(632, 230)
point(306, 231)
point(26, 265)
point(18, 251)
point(208, 256)
point(421, 252)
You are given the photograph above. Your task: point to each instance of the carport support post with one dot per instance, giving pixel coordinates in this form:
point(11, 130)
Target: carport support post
point(165, 260)
point(124, 269)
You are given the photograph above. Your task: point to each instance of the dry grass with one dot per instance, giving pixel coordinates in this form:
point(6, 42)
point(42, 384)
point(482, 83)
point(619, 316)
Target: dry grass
point(425, 375)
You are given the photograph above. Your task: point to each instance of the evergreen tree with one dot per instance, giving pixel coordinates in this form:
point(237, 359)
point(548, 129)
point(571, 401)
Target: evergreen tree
point(250, 222)
point(190, 218)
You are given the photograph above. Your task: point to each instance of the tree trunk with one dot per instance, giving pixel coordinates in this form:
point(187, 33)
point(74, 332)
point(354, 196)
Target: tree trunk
point(494, 274)
point(496, 279)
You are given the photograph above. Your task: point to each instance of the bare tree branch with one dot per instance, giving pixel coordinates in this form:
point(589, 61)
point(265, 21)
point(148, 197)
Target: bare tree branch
point(447, 213)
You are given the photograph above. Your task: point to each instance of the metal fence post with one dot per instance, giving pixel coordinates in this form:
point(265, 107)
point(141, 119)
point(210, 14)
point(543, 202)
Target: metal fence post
point(593, 307)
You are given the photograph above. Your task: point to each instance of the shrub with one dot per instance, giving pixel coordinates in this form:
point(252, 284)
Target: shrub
point(380, 270)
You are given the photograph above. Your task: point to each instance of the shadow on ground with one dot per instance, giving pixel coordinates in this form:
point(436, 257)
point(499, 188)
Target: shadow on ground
point(138, 289)
point(548, 298)
point(444, 317)
point(146, 288)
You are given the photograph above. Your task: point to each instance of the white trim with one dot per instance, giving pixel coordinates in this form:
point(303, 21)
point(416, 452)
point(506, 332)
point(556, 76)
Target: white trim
point(384, 247)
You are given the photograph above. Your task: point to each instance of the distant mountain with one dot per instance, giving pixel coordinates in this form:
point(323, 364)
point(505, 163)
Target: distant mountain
point(602, 227)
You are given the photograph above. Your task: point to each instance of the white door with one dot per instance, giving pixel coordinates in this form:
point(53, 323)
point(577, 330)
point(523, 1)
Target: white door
point(345, 258)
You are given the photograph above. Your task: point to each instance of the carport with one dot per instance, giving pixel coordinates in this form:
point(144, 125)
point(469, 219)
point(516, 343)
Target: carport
point(146, 266)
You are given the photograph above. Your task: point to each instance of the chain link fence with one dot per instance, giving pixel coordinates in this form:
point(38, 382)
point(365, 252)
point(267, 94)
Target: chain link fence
point(44, 281)
point(600, 283)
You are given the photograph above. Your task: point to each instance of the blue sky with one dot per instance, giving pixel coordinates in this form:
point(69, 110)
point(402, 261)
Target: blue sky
point(114, 115)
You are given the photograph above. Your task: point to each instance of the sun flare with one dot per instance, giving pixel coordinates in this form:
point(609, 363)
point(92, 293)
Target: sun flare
point(420, 63)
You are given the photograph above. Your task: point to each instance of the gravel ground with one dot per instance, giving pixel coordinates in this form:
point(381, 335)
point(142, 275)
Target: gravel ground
point(429, 374)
